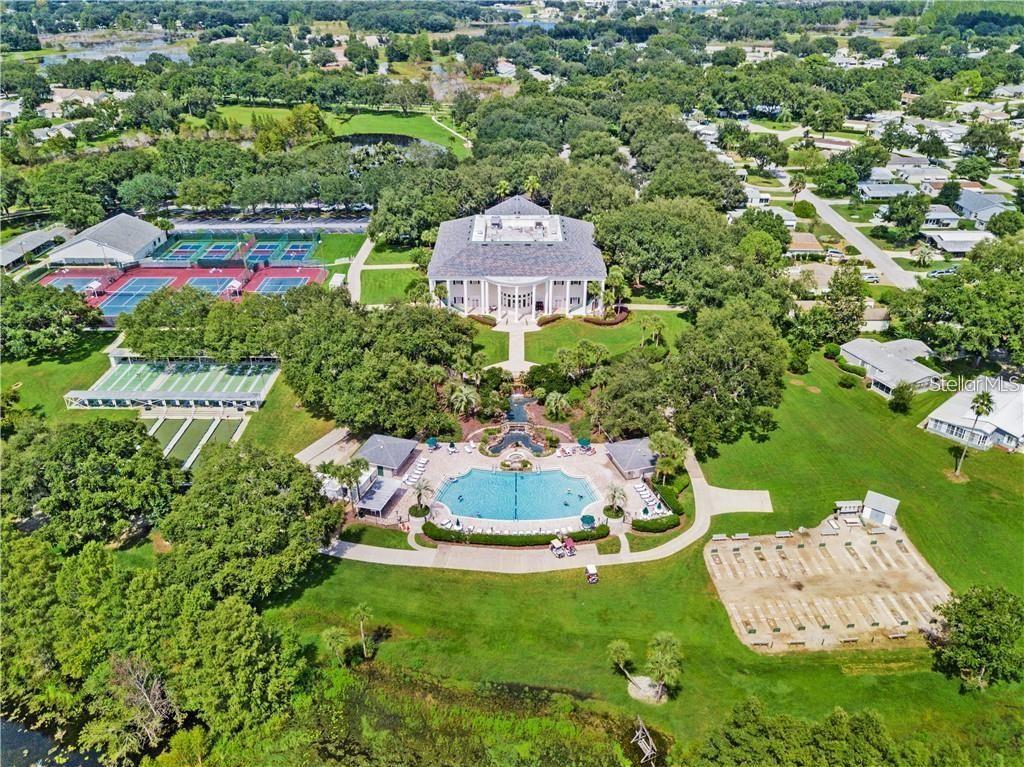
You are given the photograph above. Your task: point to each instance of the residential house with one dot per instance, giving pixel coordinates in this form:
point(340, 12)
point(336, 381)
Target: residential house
point(993, 116)
point(60, 97)
point(876, 318)
point(900, 161)
point(956, 242)
point(632, 457)
point(1009, 91)
point(517, 260)
point(932, 188)
point(881, 176)
point(832, 146)
point(940, 217)
point(980, 207)
point(505, 68)
point(891, 363)
point(804, 244)
point(820, 274)
point(10, 109)
point(121, 240)
point(916, 175)
point(870, 191)
point(756, 198)
point(1003, 427)
point(788, 217)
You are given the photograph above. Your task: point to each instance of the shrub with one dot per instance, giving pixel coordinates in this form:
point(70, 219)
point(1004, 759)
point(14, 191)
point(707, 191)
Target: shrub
point(613, 512)
point(847, 381)
point(902, 397)
point(851, 250)
point(418, 511)
point(547, 377)
point(654, 353)
point(657, 525)
point(547, 319)
point(613, 320)
point(575, 396)
point(804, 209)
point(831, 351)
point(881, 232)
point(798, 357)
point(484, 319)
point(489, 539)
point(846, 367)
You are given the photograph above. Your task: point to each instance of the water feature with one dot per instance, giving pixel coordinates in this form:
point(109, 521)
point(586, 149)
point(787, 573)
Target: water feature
point(517, 409)
point(21, 747)
point(517, 438)
point(513, 495)
point(136, 52)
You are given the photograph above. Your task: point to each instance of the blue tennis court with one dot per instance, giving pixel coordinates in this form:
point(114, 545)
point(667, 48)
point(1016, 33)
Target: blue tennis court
point(275, 286)
point(131, 293)
point(296, 251)
point(214, 285)
point(264, 250)
point(78, 284)
point(220, 249)
point(184, 251)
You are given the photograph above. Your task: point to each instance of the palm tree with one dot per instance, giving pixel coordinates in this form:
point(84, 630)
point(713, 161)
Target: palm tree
point(982, 404)
point(621, 657)
point(350, 474)
point(463, 400)
point(337, 641)
point(503, 189)
point(797, 183)
point(670, 451)
point(361, 613)
point(555, 405)
point(617, 497)
point(664, 655)
point(422, 488)
point(531, 186)
point(652, 328)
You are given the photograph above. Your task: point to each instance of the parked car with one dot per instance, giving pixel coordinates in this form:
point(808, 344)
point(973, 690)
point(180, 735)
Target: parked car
point(942, 272)
point(872, 278)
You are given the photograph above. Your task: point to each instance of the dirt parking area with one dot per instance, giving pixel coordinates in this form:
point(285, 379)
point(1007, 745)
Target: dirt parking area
point(840, 585)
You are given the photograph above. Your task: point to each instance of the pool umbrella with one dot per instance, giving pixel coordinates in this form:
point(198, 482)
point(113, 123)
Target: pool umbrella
point(451, 445)
point(584, 442)
point(431, 441)
point(587, 520)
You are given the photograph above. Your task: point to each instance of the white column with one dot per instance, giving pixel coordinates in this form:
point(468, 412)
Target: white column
point(515, 304)
point(567, 307)
point(533, 302)
point(600, 298)
point(448, 285)
point(547, 296)
point(584, 296)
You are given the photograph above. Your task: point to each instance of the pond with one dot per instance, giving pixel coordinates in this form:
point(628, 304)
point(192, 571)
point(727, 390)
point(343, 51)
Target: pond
point(517, 409)
point(517, 437)
point(135, 52)
point(20, 747)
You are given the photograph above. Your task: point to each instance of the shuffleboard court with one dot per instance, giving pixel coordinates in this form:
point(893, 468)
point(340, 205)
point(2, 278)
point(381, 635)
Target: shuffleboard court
point(276, 286)
point(129, 295)
point(214, 285)
point(78, 284)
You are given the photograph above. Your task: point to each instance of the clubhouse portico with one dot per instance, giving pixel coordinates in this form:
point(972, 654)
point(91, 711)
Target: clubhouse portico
point(517, 261)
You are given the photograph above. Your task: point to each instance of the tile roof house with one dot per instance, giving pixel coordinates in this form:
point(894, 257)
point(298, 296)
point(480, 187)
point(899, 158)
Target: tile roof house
point(804, 243)
point(120, 240)
point(891, 363)
point(932, 188)
point(1003, 427)
point(517, 260)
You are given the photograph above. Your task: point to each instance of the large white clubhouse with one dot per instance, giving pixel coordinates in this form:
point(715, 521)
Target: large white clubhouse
point(517, 261)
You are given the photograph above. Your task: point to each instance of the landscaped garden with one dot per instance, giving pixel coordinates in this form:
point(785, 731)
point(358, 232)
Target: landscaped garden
point(283, 424)
point(493, 344)
point(542, 345)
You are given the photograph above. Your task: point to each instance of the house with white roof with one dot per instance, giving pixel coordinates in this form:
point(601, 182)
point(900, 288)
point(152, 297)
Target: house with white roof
point(899, 161)
point(10, 109)
point(788, 217)
point(980, 207)
point(879, 509)
point(1003, 427)
point(756, 198)
point(915, 175)
point(932, 188)
point(1009, 92)
point(941, 217)
point(891, 363)
point(517, 260)
point(956, 242)
point(121, 240)
point(870, 191)
point(881, 176)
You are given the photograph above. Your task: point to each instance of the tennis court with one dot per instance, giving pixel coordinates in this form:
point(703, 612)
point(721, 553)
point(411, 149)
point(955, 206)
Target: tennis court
point(264, 250)
point(78, 284)
point(184, 251)
point(276, 286)
point(129, 295)
point(214, 285)
point(220, 250)
point(296, 251)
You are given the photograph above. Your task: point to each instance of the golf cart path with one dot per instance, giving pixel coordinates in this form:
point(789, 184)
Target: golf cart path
point(708, 501)
point(355, 272)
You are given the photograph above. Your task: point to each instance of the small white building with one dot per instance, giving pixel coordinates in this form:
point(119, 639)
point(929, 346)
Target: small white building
point(121, 240)
point(879, 510)
point(889, 364)
point(940, 217)
point(632, 457)
point(916, 175)
point(788, 217)
point(505, 68)
point(883, 191)
point(756, 198)
point(1003, 427)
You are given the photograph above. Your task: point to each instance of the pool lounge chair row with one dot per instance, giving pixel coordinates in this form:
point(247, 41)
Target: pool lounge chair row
point(454, 524)
point(417, 471)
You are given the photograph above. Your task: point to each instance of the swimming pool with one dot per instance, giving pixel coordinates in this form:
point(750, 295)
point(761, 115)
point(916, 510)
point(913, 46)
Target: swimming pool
point(511, 495)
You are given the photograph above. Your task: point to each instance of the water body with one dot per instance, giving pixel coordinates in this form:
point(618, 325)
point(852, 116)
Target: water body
point(517, 409)
point(514, 438)
point(545, 25)
point(135, 52)
point(20, 747)
point(512, 495)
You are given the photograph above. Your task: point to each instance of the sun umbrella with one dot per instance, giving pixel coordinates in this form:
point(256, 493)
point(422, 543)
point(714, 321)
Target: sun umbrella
point(584, 442)
point(587, 520)
point(451, 445)
point(431, 441)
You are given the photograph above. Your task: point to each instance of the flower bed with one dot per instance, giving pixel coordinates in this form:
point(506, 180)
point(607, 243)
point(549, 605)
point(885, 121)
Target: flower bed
point(436, 533)
point(484, 319)
point(618, 318)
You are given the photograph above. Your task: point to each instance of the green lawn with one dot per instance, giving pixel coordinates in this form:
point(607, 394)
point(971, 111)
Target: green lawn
point(911, 264)
point(493, 343)
point(762, 179)
point(334, 247)
point(374, 535)
point(542, 344)
point(190, 439)
point(480, 627)
point(846, 134)
point(649, 295)
point(764, 122)
point(44, 384)
point(612, 545)
point(384, 254)
point(418, 126)
point(283, 424)
point(858, 213)
point(166, 431)
point(645, 541)
point(382, 285)
point(138, 557)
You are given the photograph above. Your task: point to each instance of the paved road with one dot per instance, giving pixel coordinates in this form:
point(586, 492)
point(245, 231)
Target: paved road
point(337, 225)
point(796, 132)
point(355, 272)
point(708, 501)
point(883, 262)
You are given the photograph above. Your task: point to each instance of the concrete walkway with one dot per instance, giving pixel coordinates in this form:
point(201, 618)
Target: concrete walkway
point(314, 454)
point(355, 272)
point(895, 273)
point(465, 141)
point(379, 267)
point(708, 501)
point(654, 307)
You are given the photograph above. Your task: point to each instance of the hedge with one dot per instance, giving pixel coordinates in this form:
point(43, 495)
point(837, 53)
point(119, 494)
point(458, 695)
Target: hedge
point(618, 318)
point(656, 525)
point(436, 533)
point(832, 351)
point(846, 367)
point(418, 511)
point(848, 381)
point(484, 319)
point(547, 319)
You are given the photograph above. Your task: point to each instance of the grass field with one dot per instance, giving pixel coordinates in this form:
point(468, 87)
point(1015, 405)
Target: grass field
point(382, 285)
point(44, 384)
point(835, 444)
point(166, 431)
point(372, 535)
point(334, 247)
point(418, 126)
point(190, 439)
point(762, 179)
point(282, 423)
point(911, 265)
point(384, 255)
point(493, 343)
point(542, 344)
point(858, 213)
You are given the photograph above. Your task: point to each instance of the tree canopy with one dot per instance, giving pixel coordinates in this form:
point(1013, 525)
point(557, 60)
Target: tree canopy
point(40, 321)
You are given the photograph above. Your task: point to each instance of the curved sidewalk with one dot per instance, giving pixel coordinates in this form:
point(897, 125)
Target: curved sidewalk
point(708, 501)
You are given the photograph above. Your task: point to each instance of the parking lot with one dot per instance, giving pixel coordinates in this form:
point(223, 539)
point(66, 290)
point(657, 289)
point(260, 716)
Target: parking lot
point(825, 588)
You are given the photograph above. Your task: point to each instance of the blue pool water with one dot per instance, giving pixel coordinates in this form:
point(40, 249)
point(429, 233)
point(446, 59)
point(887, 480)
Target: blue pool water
point(510, 495)
point(517, 409)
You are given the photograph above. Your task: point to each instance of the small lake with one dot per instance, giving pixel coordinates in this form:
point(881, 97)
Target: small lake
point(20, 747)
point(545, 25)
point(135, 52)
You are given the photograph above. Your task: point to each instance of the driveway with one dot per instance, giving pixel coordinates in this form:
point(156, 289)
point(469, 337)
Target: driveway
point(883, 262)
